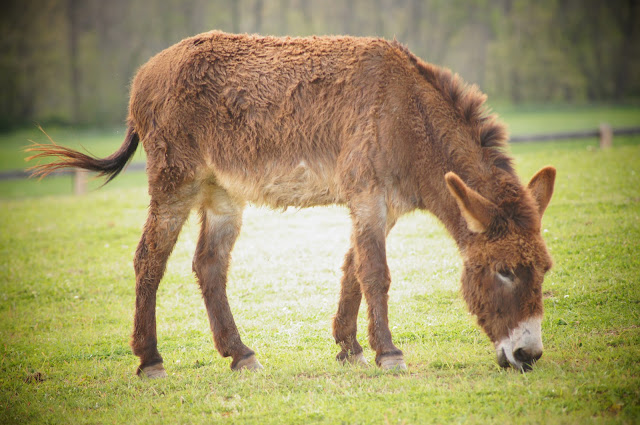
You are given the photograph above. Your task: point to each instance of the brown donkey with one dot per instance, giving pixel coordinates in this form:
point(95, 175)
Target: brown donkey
point(228, 120)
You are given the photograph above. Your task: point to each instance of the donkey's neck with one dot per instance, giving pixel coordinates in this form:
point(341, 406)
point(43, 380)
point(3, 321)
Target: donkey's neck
point(456, 133)
point(441, 203)
point(454, 147)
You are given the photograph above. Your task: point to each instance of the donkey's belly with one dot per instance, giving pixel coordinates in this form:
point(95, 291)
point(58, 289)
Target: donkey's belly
point(280, 187)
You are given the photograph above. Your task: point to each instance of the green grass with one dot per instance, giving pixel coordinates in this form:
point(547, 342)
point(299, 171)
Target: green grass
point(67, 297)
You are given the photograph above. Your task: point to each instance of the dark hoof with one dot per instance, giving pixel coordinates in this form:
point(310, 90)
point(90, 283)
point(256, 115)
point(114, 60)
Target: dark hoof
point(155, 371)
point(248, 363)
point(393, 362)
point(353, 359)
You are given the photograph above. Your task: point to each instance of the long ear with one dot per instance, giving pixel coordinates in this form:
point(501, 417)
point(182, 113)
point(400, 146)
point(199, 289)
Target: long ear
point(541, 187)
point(477, 210)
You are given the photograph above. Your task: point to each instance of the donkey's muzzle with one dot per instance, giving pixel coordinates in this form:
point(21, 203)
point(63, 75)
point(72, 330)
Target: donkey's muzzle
point(520, 359)
point(523, 347)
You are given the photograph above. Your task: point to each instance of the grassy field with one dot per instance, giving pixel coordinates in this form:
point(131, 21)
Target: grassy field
point(67, 297)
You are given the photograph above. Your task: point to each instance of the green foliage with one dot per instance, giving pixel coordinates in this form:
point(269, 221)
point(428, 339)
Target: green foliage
point(69, 61)
point(67, 299)
point(562, 51)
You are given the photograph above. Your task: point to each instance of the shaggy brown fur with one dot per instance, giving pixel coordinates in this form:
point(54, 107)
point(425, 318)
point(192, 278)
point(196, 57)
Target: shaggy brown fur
point(228, 120)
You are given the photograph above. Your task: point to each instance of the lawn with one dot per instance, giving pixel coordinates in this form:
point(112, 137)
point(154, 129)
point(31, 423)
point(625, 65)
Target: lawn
point(67, 298)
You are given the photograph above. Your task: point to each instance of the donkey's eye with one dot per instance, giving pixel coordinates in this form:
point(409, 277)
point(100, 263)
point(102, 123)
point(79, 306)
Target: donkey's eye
point(506, 275)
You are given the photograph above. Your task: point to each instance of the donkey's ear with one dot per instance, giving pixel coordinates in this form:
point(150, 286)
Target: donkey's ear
point(541, 187)
point(477, 210)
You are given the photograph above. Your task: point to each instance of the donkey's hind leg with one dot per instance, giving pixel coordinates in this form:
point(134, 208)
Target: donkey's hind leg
point(221, 221)
point(158, 239)
point(345, 321)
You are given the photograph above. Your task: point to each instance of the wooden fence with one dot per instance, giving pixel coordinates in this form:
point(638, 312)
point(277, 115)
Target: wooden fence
point(605, 134)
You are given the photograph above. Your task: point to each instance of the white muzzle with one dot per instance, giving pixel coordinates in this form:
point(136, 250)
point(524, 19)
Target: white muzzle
point(523, 346)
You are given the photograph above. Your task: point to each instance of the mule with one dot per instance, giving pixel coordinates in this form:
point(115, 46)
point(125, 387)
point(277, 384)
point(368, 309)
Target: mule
point(228, 120)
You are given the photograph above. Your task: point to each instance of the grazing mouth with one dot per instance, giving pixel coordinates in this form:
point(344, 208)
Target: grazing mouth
point(522, 347)
point(508, 360)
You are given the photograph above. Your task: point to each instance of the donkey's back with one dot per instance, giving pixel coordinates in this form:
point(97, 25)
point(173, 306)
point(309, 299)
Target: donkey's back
point(269, 120)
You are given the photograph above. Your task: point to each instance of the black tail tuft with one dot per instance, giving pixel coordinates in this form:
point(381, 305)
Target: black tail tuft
point(108, 167)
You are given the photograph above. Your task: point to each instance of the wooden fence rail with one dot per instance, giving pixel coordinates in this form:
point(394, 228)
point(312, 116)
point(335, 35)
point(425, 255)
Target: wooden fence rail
point(605, 133)
point(24, 174)
point(80, 177)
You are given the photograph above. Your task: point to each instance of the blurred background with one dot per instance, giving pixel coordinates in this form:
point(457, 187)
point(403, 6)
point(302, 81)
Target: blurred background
point(70, 62)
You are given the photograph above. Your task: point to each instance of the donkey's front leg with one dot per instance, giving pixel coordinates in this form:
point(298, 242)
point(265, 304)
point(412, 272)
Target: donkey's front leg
point(345, 322)
point(211, 263)
point(370, 226)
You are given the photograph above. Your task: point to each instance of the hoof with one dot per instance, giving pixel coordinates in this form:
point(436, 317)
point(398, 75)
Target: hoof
point(249, 363)
point(153, 372)
point(355, 359)
point(393, 363)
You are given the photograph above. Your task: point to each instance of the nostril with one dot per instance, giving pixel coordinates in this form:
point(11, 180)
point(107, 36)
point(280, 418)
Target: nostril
point(524, 356)
point(502, 359)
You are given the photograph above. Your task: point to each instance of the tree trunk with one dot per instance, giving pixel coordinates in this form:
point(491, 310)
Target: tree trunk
point(306, 14)
point(379, 19)
point(348, 17)
point(258, 7)
point(630, 34)
point(72, 17)
point(235, 16)
point(414, 23)
point(284, 24)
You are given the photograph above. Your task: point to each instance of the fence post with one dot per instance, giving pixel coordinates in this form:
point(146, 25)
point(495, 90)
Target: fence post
point(606, 136)
point(80, 178)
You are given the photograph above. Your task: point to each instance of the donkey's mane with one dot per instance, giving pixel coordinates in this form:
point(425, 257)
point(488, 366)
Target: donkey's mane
point(469, 102)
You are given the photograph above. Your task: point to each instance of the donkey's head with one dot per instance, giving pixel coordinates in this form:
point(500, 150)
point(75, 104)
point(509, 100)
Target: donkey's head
point(505, 260)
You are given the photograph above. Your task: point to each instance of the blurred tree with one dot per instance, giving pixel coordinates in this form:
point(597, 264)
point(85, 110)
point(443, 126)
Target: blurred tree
point(629, 22)
point(283, 11)
point(258, 8)
point(348, 17)
point(306, 12)
point(71, 61)
point(378, 18)
point(235, 15)
point(73, 29)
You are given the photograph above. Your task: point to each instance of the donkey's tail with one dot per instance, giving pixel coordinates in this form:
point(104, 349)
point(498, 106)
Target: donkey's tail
point(108, 167)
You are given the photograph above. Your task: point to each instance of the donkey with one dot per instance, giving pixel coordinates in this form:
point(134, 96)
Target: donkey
point(227, 120)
